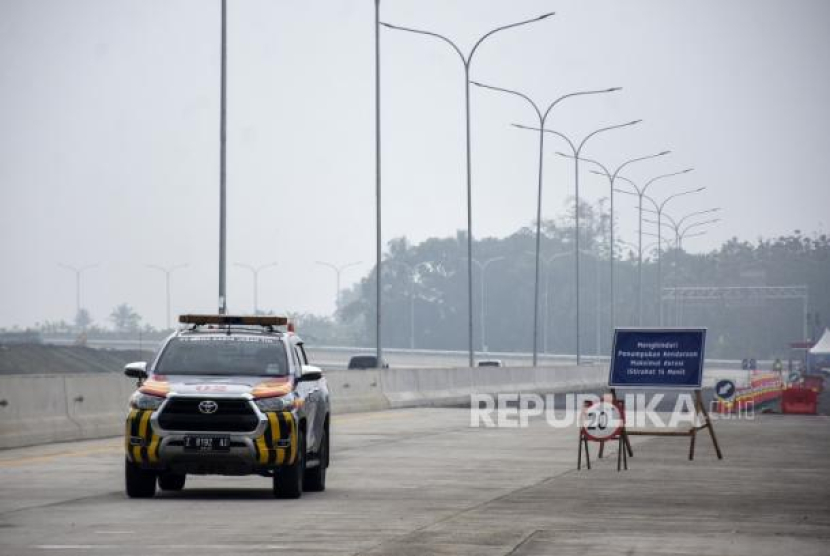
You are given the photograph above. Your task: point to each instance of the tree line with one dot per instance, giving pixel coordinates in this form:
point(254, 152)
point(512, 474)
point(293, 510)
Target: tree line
point(424, 291)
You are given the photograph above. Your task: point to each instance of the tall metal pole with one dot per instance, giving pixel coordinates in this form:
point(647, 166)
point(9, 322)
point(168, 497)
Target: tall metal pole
point(167, 272)
point(542, 118)
point(77, 292)
point(378, 232)
point(640, 192)
point(612, 176)
point(576, 150)
point(658, 209)
point(255, 272)
point(676, 226)
point(471, 348)
point(337, 270)
point(410, 270)
point(640, 259)
point(576, 253)
point(482, 266)
point(466, 60)
point(77, 270)
point(223, 301)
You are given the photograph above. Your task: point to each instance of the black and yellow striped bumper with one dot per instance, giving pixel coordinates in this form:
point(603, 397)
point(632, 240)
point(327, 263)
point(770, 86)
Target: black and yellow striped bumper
point(141, 444)
point(276, 446)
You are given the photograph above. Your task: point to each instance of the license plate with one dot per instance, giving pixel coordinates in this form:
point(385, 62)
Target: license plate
point(207, 443)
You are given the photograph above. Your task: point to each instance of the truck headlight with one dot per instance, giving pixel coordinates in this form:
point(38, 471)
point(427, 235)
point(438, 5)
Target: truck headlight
point(277, 403)
point(140, 400)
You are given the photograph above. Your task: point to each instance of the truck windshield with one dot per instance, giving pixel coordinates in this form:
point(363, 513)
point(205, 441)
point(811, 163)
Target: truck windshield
point(220, 354)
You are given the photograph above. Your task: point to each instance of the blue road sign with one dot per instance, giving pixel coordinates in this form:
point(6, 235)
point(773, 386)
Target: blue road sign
point(658, 357)
point(725, 390)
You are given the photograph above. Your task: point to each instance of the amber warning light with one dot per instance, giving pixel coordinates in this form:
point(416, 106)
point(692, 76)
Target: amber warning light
point(199, 320)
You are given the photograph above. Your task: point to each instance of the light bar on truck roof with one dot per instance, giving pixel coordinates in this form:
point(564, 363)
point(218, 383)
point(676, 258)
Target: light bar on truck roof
point(238, 320)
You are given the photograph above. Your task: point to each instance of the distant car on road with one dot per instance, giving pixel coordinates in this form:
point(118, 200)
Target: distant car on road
point(366, 362)
point(228, 395)
point(490, 363)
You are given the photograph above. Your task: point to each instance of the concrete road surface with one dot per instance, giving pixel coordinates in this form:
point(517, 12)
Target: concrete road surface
point(422, 481)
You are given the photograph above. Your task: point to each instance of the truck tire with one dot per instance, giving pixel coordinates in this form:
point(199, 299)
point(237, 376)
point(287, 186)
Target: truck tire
point(288, 480)
point(140, 483)
point(172, 481)
point(315, 477)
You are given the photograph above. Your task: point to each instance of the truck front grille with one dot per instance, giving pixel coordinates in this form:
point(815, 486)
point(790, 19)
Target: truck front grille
point(183, 414)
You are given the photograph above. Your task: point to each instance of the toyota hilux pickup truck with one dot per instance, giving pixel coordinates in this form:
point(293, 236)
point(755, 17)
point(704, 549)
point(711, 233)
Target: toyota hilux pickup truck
point(228, 395)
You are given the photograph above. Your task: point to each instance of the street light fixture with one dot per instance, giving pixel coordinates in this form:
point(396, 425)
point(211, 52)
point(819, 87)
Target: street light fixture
point(641, 191)
point(680, 233)
point(612, 177)
point(167, 272)
point(659, 211)
point(337, 271)
point(78, 270)
point(466, 60)
point(576, 149)
point(547, 262)
point(410, 270)
point(482, 266)
point(255, 272)
point(542, 117)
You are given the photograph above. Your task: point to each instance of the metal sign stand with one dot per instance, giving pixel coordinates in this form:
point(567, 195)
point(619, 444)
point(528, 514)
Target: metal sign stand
point(700, 409)
point(618, 434)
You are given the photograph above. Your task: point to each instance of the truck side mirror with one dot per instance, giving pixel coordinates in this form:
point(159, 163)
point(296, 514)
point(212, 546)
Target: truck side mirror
point(310, 374)
point(136, 370)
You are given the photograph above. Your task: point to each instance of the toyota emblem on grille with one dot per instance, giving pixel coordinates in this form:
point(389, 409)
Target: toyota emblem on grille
point(208, 406)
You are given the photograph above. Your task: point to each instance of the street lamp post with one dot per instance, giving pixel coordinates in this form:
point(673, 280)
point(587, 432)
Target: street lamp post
point(577, 150)
point(223, 301)
point(680, 232)
point(168, 270)
point(546, 263)
point(641, 191)
point(337, 271)
point(378, 234)
point(255, 272)
point(542, 117)
point(658, 209)
point(612, 177)
point(78, 270)
point(410, 270)
point(482, 266)
point(466, 60)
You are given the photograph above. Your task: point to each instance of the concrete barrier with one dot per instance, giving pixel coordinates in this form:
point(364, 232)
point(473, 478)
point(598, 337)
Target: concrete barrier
point(98, 404)
point(353, 391)
point(451, 387)
point(38, 409)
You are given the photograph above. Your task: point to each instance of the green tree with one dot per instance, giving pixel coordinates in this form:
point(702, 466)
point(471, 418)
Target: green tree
point(125, 319)
point(83, 319)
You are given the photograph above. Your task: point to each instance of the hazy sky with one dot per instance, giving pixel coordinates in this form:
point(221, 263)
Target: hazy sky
point(109, 137)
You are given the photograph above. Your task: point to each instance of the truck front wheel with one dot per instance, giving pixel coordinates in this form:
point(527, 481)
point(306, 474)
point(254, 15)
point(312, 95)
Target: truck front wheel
point(288, 480)
point(140, 483)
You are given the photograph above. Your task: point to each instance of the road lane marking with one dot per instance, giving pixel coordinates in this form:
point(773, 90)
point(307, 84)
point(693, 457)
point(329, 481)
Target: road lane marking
point(149, 547)
point(17, 462)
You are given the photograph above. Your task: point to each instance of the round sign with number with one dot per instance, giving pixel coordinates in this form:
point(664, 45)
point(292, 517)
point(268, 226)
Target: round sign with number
point(601, 421)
